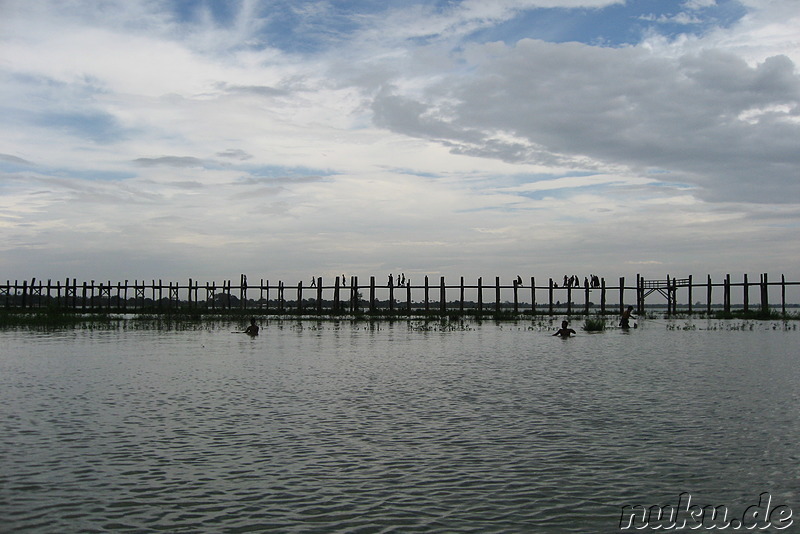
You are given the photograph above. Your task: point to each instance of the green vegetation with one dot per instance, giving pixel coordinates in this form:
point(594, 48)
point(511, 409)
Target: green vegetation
point(55, 318)
point(755, 315)
point(594, 324)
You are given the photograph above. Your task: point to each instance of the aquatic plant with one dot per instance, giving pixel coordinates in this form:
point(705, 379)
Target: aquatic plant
point(756, 315)
point(594, 324)
point(53, 318)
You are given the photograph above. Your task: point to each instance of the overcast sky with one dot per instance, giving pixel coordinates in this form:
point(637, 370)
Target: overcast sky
point(288, 138)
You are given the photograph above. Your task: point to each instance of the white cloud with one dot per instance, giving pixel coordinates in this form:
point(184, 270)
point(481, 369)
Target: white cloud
point(563, 103)
point(699, 4)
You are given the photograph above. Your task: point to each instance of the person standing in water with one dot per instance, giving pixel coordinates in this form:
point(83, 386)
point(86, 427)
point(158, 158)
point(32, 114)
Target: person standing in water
point(252, 330)
point(565, 331)
point(624, 321)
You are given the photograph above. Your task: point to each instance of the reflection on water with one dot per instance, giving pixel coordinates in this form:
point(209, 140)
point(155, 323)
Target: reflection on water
point(330, 427)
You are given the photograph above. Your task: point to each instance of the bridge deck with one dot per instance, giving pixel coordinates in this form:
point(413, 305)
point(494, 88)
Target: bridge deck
point(664, 284)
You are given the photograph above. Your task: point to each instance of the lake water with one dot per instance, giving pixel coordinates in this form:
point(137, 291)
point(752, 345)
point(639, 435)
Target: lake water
point(392, 427)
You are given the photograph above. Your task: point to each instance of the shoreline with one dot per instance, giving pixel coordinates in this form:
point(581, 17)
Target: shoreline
point(50, 317)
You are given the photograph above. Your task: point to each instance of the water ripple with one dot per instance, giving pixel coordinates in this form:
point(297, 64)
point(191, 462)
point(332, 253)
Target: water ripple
point(389, 430)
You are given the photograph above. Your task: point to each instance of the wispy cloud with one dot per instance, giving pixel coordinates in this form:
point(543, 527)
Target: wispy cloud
point(14, 159)
point(170, 161)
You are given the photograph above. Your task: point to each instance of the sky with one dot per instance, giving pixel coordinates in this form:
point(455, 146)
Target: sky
point(285, 139)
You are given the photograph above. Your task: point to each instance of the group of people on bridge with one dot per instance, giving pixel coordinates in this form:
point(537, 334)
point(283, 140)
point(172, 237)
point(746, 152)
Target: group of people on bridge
point(592, 281)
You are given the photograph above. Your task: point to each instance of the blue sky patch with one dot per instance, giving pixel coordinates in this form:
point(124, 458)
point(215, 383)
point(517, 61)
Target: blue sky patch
point(277, 171)
point(95, 175)
point(310, 26)
point(93, 125)
point(615, 25)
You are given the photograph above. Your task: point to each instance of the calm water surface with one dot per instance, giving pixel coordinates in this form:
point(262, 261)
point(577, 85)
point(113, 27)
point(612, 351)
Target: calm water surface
point(326, 427)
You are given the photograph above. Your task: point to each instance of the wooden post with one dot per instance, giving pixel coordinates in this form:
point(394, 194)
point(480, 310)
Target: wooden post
point(550, 295)
point(621, 294)
point(746, 294)
point(669, 296)
point(480, 296)
point(391, 296)
point(372, 294)
point(25, 292)
point(300, 297)
point(408, 298)
point(690, 294)
point(708, 296)
point(427, 295)
point(533, 296)
point(356, 302)
point(764, 294)
point(497, 294)
point(603, 296)
point(336, 295)
point(569, 299)
point(516, 298)
point(442, 297)
point(674, 295)
point(783, 294)
point(461, 297)
point(319, 295)
point(349, 302)
point(726, 305)
point(586, 296)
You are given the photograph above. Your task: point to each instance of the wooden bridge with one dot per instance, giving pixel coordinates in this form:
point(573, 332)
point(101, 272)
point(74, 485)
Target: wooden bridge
point(349, 296)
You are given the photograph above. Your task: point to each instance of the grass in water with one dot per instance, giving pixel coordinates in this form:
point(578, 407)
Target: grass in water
point(594, 324)
point(54, 318)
